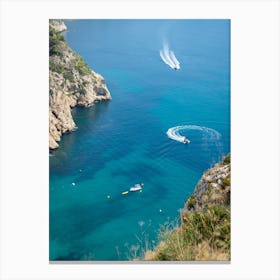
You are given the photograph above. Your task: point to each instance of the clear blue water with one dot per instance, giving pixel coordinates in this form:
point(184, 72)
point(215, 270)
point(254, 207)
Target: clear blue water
point(123, 141)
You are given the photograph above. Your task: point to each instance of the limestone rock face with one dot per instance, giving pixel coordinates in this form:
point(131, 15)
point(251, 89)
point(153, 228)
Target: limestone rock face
point(212, 188)
point(71, 83)
point(212, 178)
point(58, 25)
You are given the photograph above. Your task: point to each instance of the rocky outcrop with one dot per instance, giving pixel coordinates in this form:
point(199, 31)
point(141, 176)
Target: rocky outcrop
point(71, 83)
point(212, 189)
point(58, 25)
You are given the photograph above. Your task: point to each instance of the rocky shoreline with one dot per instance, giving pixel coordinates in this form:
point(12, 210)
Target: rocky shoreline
point(71, 83)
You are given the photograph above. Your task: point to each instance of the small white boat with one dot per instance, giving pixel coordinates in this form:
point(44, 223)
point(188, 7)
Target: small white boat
point(186, 141)
point(124, 193)
point(136, 187)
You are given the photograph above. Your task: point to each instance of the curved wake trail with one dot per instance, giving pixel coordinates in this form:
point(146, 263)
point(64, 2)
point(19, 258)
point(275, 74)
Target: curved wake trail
point(165, 60)
point(173, 57)
point(166, 53)
point(174, 132)
point(169, 57)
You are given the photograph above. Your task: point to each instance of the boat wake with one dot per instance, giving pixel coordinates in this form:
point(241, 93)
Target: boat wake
point(174, 132)
point(169, 57)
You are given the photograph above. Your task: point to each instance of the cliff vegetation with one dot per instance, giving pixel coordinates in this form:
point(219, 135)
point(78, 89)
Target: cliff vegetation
point(71, 83)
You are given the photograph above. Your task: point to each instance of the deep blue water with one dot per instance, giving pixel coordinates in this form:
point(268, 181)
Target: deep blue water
point(123, 141)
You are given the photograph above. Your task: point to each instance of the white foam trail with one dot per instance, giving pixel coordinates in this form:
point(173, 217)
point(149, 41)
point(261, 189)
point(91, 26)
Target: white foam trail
point(165, 60)
point(166, 53)
point(169, 57)
point(173, 57)
point(174, 132)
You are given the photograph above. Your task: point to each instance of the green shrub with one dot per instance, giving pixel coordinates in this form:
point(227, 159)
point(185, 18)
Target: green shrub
point(56, 67)
point(212, 225)
point(210, 228)
point(55, 38)
point(82, 90)
point(227, 198)
point(68, 75)
point(85, 83)
point(226, 160)
point(81, 66)
point(226, 181)
point(191, 202)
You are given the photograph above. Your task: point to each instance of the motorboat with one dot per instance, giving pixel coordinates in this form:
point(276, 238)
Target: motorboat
point(186, 141)
point(136, 187)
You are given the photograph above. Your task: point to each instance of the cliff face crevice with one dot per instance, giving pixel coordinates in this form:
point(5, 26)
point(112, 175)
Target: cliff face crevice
point(71, 83)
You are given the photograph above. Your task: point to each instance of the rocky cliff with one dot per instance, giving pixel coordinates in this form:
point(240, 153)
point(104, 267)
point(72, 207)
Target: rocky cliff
point(71, 83)
point(58, 25)
point(212, 189)
point(203, 230)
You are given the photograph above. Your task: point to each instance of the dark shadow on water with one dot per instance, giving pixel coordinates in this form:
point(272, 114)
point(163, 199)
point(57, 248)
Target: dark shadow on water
point(87, 147)
point(85, 119)
point(89, 114)
point(138, 170)
point(71, 225)
point(74, 222)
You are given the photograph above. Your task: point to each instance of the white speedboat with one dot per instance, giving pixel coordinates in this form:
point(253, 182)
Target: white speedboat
point(136, 187)
point(186, 141)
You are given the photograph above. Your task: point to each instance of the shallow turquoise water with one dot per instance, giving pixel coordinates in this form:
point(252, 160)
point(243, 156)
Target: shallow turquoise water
point(123, 141)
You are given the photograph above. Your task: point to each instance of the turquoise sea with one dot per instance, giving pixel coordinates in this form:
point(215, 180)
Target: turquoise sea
point(123, 141)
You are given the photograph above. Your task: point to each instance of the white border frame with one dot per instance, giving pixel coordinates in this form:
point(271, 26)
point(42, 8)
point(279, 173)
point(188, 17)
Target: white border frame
point(254, 146)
